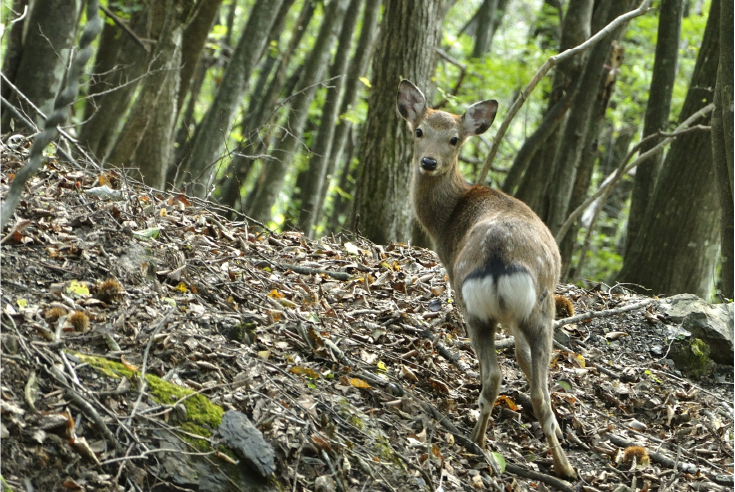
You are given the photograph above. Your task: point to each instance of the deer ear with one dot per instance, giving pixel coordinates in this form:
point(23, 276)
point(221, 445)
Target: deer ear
point(411, 103)
point(478, 117)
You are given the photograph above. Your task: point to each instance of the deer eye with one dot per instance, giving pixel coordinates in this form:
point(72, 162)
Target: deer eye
point(419, 133)
point(454, 141)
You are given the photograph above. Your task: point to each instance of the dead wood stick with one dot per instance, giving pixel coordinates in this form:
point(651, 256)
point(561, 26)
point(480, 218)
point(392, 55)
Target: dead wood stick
point(90, 412)
point(314, 271)
point(603, 313)
point(524, 472)
point(554, 60)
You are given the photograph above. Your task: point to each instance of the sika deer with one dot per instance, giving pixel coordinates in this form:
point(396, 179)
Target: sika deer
point(502, 261)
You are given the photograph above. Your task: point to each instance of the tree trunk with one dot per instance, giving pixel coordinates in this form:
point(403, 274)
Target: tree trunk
point(485, 27)
point(537, 154)
point(13, 49)
point(314, 68)
point(677, 247)
point(317, 170)
point(657, 110)
point(722, 144)
point(146, 140)
point(574, 137)
point(358, 67)
point(48, 42)
point(214, 127)
point(192, 45)
point(410, 33)
point(118, 64)
point(259, 113)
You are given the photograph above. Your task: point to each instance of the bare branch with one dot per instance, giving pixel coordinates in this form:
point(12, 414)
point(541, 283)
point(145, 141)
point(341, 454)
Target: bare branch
point(554, 60)
point(124, 27)
point(623, 169)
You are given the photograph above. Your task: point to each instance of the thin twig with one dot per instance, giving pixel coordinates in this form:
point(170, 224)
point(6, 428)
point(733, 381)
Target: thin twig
point(554, 60)
point(90, 412)
point(124, 27)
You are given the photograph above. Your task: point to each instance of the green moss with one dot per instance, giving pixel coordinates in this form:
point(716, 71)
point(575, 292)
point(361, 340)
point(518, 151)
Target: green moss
point(200, 444)
point(198, 407)
point(692, 357)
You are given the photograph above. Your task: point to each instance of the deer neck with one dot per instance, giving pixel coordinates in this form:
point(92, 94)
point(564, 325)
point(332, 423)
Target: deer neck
point(434, 199)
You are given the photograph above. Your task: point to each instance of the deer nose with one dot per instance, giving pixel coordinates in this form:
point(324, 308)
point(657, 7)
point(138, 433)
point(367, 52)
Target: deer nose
point(428, 163)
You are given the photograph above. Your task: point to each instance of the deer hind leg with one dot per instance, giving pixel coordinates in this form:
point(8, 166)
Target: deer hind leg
point(482, 336)
point(533, 350)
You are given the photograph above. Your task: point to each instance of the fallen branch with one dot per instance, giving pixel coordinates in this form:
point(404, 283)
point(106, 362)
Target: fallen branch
point(554, 60)
point(603, 313)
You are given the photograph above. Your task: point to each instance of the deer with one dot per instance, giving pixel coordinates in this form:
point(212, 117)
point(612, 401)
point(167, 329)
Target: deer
point(502, 261)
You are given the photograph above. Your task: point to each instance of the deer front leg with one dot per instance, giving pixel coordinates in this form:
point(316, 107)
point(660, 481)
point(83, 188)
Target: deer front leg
point(482, 337)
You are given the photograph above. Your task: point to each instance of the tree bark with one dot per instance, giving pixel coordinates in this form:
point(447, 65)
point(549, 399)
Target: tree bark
point(722, 145)
point(574, 137)
point(48, 42)
point(211, 132)
point(410, 33)
point(317, 170)
point(657, 110)
point(537, 154)
point(120, 60)
point(274, 172)
point(146, 140)
point(677, 247)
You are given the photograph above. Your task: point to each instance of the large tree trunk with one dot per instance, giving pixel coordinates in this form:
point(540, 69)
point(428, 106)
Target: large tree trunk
point(146, 140)
point(657, 110)
point(722, 144)
point(119, 61)
point(537, 154)
point(410, 33)
point(260, 110)
point(485, 27)
point(317, 170)
point(274, 171)
point(574, 137)
point(212, 132)
point(48, 42)
point(677, 247)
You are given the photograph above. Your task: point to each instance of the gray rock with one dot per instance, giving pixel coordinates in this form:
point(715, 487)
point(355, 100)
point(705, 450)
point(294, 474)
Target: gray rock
point(248, 442)
point(712, 323)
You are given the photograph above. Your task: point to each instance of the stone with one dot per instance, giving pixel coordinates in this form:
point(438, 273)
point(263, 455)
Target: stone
point(712, 323)
point(247, 442)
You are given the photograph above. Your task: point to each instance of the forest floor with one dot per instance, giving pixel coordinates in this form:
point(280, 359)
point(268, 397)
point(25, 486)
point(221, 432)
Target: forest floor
point(349, 357)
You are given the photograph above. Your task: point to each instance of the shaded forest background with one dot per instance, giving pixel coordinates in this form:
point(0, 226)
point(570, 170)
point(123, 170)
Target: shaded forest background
point(283, 111)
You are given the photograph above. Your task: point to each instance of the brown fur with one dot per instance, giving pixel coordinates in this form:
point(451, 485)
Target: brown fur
point(502, 261)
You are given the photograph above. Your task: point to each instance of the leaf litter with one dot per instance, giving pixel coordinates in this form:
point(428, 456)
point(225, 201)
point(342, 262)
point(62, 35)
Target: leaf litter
point(349, 357)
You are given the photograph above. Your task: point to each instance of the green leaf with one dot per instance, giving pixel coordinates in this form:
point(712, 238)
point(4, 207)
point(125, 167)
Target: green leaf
point(151, 233)
point(499, 460)
point(365, 81)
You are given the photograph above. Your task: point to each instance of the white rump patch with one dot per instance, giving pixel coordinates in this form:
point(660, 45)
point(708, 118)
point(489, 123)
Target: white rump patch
point(511, 298)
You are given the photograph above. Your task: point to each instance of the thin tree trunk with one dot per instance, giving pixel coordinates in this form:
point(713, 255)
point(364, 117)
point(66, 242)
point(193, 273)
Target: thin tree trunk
point(212, 132)
point(112, 90)
point(574, 137)
point(260, 110)
point(410, 33)
point(345, 185)
point(657, 110)
point(314, 68)
point(317, 170)
point(195, 35)
point(722, 144)
point(146, 139)
point(538, 153)
point(48, 43)
point(485, 27)
point(13, 49)
point(677, 249)
point(358, 67)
